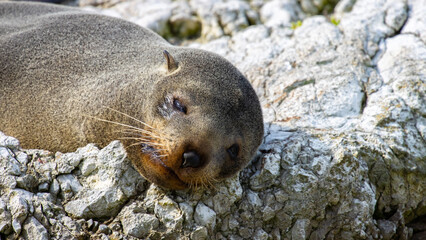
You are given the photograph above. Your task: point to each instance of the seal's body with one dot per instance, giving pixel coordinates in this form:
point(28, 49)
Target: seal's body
point(68, 78)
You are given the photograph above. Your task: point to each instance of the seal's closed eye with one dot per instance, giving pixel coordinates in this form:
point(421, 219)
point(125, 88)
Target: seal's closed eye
point(233, 150)
point(178, 105)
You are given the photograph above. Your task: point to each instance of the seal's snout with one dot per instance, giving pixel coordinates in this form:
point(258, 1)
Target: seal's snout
point(191, 159)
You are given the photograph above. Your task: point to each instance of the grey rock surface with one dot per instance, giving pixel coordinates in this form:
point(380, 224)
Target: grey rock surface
point(280, 13)
point(344, 152)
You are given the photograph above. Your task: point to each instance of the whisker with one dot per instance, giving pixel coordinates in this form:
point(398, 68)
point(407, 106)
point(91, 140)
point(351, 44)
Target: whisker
point(130, 132)
point(212, 184)
point(134, 144)
point(129, 126)
point(145, 133)
point(139, 133)
point(140, 138)
point(159, 150)
point(120, 124)
point(135, 137)
point(149, 143)
point(137, 120)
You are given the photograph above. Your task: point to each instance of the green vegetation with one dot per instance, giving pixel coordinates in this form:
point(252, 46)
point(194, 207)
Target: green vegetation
point(295, 25)
point(334, 21)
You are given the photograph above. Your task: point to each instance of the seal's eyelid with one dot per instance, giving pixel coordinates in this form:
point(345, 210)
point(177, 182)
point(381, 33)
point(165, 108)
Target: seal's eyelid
point(178, 105)
point(233, 150)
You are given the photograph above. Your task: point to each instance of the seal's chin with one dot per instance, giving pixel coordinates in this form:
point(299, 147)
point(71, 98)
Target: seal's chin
point(157, 171)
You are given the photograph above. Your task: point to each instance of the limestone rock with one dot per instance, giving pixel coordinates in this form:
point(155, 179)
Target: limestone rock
point(205, 216)
point(34, 230)
point(107, 187)
point(318, 6)
point(280, 13)
point(200, 233)
point(343, 156)
point(169, 213)
point(137, 224)
point(416, 23)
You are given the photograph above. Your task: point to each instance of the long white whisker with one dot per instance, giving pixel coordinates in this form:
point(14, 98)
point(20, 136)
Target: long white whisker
point(145, 134)
point(139, 138)
point(137, 120)
point(129, 126)
point(148, 143)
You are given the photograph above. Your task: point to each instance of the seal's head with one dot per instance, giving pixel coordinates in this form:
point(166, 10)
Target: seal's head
point(205, 125)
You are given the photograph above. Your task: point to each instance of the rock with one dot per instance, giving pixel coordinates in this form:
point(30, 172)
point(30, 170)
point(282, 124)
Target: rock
point(44, 187)
point(55, 187)
point(89, 154)
point(344, 6)
point(220, 18)
point(14, 167)
point(92, 203)
point(233, 15)
point(67, 162)
point(103, 229)
point(88, 166)
point(187, 211)
point(169, 213)
point(280, 13)
point(227, 194)
point(210, 27)
point(200, 233)
point(388, 229)
point(183, 22)
point(254, 199)
point(316, 6)
point(416, 23)
point(371, 15)
point(260, 234)
point(69, 185)
point(5, 218)
point(343, 156)
point(299, 231)
point(150, 14)
point(405, 79)
point(137, 224)
point(19, 208)
point(34, 230)
point(8, 142)
point(104, 191)
point(266, 176)
point(22, 158)
point(205, 216)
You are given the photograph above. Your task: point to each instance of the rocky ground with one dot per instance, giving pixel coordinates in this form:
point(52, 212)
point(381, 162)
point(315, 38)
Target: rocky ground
point(342, 86)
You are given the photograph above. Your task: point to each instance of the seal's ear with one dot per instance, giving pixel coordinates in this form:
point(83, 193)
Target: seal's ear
point(171, 63)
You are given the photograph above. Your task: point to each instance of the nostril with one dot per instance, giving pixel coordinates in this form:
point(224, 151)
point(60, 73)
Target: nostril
point(191, 159)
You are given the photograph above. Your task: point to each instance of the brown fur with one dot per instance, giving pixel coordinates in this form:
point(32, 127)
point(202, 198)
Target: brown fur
point(63, 71)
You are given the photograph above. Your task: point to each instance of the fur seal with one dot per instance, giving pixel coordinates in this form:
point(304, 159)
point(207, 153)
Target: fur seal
point(187, 117)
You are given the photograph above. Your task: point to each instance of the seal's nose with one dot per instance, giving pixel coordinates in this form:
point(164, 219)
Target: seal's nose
point(191, 159)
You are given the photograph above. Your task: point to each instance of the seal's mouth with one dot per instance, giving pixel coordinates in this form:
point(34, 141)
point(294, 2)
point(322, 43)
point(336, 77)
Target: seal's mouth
point(159, 172)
